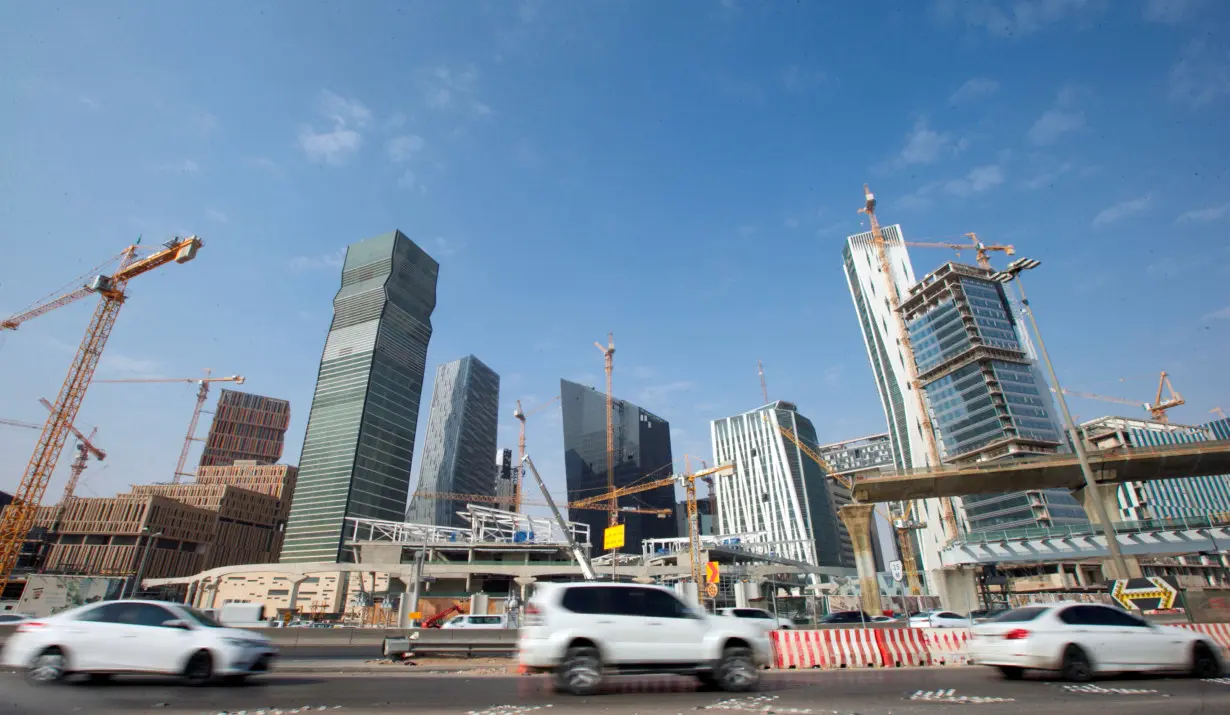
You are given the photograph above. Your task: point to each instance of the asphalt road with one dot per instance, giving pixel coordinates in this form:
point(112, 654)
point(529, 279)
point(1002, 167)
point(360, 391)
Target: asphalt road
point(865, 692)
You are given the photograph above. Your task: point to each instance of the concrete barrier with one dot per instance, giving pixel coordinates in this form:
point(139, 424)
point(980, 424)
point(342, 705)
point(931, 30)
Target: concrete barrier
point(946, 645)
point(903, 647)
point(468, 642)
point(827, 648)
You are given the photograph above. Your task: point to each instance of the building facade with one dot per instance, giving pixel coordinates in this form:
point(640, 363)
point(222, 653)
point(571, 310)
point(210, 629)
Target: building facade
point(359, 445)
point(505, 473)
point(704, 517)
point(642, 452)
point(854, 459)
point(246, 427)
point(776, 488)
point(984, 392)
point(461, 435)
point(1164, 498)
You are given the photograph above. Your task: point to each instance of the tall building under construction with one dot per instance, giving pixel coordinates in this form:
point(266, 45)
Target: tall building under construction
point(246, 427)
point(359, 445)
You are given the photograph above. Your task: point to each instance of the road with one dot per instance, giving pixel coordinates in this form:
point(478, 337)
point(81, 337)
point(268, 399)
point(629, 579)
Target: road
point(865, 692)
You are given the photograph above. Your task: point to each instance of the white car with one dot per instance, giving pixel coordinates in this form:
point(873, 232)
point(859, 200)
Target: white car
point(762, 618)
point(119, 637)
point(939, 619)
point(12, 619)
point(481, 622)
point(1080, 640)
point(583, 631)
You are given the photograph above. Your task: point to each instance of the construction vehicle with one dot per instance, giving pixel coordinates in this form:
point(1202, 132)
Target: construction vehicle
point(608, 360)
point(520, 416)
point(202, 394)
point(981, 250)
point(689, 486)
point(19, 516)
point(1156, 409)
point(901, 526)
point(911, 367)
point(438, 620)
point(587, 567)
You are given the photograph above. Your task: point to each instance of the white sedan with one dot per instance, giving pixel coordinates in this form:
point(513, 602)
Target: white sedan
point(1080, 640)
point(939, 619)
point(139, 637)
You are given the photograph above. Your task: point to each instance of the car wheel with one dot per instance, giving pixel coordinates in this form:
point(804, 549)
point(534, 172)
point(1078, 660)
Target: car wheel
point(708, 681)
point(736, 673)
point(1204, 662)
point(200, 668)
point(49, 666)
point(1011, 672)
point(581, 671)
point(1076, 666)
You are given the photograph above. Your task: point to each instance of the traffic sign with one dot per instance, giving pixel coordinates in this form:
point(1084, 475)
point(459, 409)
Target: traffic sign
point(613, 537)
point(711, 590)
point(1144, 594)
point(713, 573)
point(895, 568)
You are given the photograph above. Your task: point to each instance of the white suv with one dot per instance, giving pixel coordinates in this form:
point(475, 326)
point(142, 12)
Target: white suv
point(580, 631)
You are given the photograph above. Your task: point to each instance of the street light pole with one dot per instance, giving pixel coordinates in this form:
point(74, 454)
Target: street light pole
point(1013, 274)
point(149, 541)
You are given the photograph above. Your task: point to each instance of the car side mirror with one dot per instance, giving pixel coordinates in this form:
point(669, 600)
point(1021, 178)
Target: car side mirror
point(177, 624)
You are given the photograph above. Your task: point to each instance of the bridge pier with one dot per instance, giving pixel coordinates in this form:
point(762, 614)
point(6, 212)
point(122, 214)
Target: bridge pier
point(957, 588)
point(1108, 494)
point(857, 518)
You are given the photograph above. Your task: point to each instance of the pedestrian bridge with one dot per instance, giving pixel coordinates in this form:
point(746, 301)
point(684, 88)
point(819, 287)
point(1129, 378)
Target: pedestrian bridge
point(1154, 537)
point(1110, 466)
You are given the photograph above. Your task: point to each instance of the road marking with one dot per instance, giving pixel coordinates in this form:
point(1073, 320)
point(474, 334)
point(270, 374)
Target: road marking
point(1109, 691)
point(756, 704)
point(1219, 681)
point(509, 709)
point(280, 711)
point(950, 696)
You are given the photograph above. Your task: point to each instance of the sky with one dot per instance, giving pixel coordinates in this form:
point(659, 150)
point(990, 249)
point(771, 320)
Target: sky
point(681, 174)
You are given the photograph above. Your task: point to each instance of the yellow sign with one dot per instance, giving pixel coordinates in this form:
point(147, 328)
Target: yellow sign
point(415, 615)
point(711, 590)
point(1147, 588)
point(613, 537)
point(713, 573)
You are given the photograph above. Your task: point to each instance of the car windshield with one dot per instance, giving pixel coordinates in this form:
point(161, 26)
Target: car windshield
point(201, 619)
point(1020, 615)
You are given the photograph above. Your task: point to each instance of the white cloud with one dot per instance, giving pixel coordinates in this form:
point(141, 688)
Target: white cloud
point(453, 89)
point(979, 179)
point(833, 375)
point(328, 260)
point(1122, 210)
point(402, 148)
point(798, 79)
point(1223, 314)
point(924, 145)
point(1171, 12)
point(973, 89)
point(408, 180)
point(1047, 178)
point(1024, 17)
point(1200, 77)
point(116, 366)
point(1054, 123)
point(89, 102)
point(187, 166)
point(656, 393)
point(443, 247)
point(338, 144)
point(1212, 213)
point(216, 215)
point(748, 230)
point(791, 223)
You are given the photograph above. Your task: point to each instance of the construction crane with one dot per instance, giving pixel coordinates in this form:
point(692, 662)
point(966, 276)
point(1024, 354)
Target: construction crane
point(764, 387)
point(709, 481)
point(981, 250)
point(503, 501)
point(911, 369)
point(202, 394)
point(901, 526)
point(608, 359)
point(19, 423)
point(1219, 412)
point(520, 416)
point(1157, 409)
point(689, 486)
point(19, 517)
point(85, 449)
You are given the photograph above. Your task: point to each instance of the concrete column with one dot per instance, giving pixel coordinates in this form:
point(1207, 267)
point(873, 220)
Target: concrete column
point(295, 581)
point(1108, 494)
point(190, 593)
point(857, 518)
point(957, 588)
point(524, 582)
point(213, 593)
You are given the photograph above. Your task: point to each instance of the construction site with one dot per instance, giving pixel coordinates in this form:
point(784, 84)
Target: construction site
point(980, 493)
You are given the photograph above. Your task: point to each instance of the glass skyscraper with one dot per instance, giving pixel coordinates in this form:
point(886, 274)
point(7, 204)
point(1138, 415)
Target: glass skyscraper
point(461, 436)
point(642, 453)
point(361, 429)
point(983, 391)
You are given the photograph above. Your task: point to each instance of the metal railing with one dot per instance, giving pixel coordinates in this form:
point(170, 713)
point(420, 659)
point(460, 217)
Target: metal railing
point(1071, 530)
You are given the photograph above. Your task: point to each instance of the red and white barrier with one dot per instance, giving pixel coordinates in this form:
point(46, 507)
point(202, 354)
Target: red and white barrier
point(836, 648)
point(900, 647)
point(947, 645)
point(1219, 631)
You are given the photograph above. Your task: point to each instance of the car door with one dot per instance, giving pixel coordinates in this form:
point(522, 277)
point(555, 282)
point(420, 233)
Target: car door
point(1143, 645)
point(148, 645)
point(90, 637)
point(605, 617)
point(677, 631)
point(1099, 635)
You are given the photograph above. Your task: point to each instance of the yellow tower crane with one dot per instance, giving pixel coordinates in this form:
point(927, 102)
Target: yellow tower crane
point(608, 359)
point(202, 394)
point(520, 415)
point(19, 516)
point(981, 250)
point(1156, 409)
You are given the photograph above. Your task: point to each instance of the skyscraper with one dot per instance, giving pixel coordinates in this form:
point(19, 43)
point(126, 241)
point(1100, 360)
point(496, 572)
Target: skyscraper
point(776, 488)
point(361, 429)
point(461, 435)
point(246, 427)
point(504, 475)
point(984, 392)
point(642, 451)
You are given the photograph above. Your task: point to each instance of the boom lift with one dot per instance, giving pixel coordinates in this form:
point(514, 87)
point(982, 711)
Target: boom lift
point(520, 416)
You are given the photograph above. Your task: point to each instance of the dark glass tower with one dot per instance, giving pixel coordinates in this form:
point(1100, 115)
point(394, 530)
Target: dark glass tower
point(642, 452)
point(360, 433)
point(461, 436)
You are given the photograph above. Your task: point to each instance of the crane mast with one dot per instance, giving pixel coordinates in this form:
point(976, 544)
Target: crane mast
point(608, 355)
point(19, 516)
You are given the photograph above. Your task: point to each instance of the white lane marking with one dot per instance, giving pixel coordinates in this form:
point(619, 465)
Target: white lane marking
point(756, 704)
point(509, 709)
point(1109, 691)
point(1219, 681)
point(950, 696)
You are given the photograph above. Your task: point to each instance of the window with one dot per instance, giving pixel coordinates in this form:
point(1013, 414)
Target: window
point(485, 620)
point(1108, 616)
point(1081, 616)
point(1021, 615)
point(106, 613)
point(588, 600)
point(660, 604)
point(143, 614)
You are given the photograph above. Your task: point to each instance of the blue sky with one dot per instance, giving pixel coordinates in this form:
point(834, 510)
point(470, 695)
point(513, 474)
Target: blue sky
point(683, 174)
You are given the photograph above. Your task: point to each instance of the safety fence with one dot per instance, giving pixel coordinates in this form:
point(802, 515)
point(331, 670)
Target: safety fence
point(897, 648)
